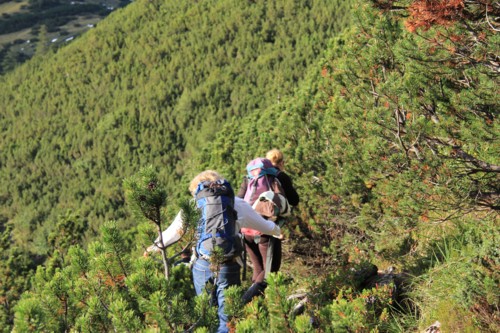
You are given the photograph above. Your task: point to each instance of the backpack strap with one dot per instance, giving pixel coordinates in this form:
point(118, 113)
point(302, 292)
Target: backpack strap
point(269, 188)
point(244, 258)
point(269, 257)
point(253, 188)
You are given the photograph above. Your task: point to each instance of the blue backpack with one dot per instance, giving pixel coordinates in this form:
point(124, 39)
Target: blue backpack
point(217, 225)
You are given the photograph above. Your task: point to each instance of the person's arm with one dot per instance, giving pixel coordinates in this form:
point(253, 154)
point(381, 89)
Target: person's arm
point(171, 235)
point(249, 218)
point(243, 188)
point(291, 194)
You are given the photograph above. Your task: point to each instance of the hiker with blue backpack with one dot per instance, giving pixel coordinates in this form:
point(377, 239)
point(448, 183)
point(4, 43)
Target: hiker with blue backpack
point(270, 191)
point(222, 217)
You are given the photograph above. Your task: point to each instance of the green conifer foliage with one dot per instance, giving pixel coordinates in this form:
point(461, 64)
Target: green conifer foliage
point(379, 137)
point(154, 87)
point(392, 141)
point(103, 289)
point(43, 41)
point(15, 268)
point(150, 85)
point(147, 198)
point(69, 230)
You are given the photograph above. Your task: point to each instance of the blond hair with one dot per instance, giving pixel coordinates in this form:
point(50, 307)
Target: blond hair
point(207, 175)
point(275, 156)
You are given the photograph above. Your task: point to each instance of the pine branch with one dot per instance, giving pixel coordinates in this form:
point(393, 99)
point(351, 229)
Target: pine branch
point(481, 165)
point(387, 5)
point(163, 249)
point(399, 121)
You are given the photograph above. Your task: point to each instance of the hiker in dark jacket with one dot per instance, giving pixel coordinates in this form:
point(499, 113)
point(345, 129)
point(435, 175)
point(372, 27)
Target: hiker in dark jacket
point(258, 246)
point(276, 157)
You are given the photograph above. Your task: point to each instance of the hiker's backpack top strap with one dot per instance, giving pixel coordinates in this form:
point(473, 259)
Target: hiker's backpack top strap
point(261, 173)
point(260, 166)
point(218, 188)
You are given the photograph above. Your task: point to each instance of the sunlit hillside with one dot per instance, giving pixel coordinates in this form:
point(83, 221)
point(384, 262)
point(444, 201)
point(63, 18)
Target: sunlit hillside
point(150, 85)
point(387, 113)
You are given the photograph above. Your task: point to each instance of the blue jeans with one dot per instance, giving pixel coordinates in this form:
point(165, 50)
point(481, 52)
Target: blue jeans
point(229, 275)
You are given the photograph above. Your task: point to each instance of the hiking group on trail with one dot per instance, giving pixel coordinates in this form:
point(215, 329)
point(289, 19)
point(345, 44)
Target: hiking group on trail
point(256, 212)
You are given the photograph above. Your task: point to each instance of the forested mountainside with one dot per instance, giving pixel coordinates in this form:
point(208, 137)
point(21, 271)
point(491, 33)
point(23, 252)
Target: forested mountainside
point(149, 86)
point(389, 129)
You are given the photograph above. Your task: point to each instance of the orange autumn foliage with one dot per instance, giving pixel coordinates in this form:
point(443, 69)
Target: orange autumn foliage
point(324, 72)
point(426, 13)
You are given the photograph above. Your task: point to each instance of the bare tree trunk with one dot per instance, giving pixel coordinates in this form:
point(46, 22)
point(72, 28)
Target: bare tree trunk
point(163, 250)
point(165, 262)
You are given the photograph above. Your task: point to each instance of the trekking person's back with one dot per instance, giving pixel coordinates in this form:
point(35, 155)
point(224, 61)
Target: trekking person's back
point(264, 251)
point(218, 217)
point(263, 189)
point(223, 216)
